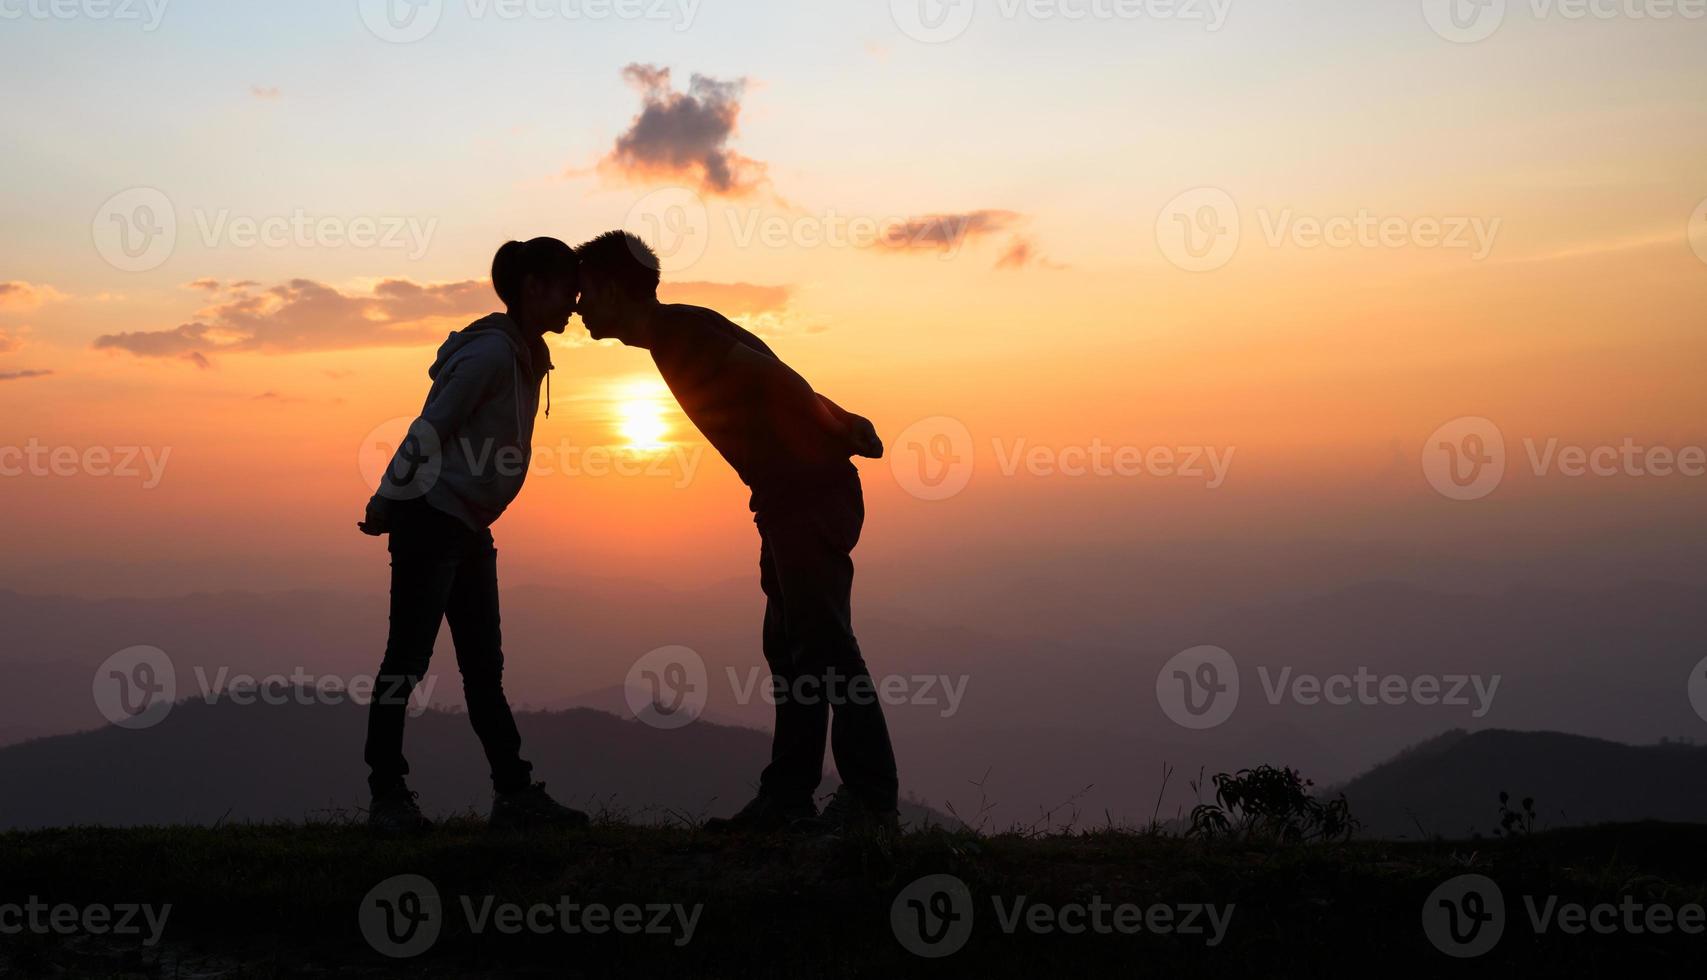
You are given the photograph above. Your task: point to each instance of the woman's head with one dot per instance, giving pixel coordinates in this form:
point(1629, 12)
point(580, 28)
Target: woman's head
point(539, 282)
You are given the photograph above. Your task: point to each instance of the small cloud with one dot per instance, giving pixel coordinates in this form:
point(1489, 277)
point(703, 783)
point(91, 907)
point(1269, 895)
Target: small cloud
point(264, 93)
point(684, 136)
point(10, 343)
point(337, 375)
point(205, 285)
point(21, 375)
point(273, 396)
point(198, 360)
point(877, 50)
point(1022, 252)
point(945, 232)
point(21, 297)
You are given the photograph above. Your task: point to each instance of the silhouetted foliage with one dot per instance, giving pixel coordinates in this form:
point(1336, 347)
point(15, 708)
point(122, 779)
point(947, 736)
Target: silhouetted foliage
point(1270, 803)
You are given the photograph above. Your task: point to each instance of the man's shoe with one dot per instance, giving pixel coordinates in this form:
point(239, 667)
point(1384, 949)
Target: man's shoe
point(531, 809)
point(846, 815)
point(395, 812)
point(764, 815)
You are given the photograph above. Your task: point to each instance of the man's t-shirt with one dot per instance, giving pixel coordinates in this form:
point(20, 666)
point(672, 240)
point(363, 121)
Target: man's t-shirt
point(774, 442)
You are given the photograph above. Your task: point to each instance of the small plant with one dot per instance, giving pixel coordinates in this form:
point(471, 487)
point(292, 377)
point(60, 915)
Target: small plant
point(1271, 803)
point(1518, 822)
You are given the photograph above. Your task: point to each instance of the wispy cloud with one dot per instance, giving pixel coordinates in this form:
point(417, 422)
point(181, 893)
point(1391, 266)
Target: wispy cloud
point(21, 375)
point(302, 315)
point(17, 296)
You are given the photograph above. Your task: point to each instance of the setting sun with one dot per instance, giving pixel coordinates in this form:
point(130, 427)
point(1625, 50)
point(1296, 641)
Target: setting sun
point(640, 410)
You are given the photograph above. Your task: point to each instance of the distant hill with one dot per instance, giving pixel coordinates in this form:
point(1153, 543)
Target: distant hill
point(1449, 786)
point(256, 762)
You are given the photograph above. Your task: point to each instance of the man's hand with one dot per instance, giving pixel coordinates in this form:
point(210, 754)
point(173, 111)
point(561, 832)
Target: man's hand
point(378, 517)
point(864, 438)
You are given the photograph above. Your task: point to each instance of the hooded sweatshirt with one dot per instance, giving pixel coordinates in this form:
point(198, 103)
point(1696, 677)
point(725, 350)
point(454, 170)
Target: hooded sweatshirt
point(469, 452)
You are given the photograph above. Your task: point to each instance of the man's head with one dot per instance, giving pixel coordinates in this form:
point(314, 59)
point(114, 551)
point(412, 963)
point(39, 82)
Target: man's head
point(619, 284)
point(538, 282)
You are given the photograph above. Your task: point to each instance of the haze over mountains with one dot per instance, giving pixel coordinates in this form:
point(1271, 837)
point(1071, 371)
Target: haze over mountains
point(1064, 712)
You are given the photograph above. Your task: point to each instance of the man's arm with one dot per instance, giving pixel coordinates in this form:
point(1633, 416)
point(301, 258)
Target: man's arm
point(789, 392)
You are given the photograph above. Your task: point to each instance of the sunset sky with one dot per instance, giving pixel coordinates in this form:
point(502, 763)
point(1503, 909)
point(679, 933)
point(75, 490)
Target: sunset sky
point(1517, 232)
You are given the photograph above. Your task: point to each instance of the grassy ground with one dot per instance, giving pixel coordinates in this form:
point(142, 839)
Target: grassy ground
point(285, 901)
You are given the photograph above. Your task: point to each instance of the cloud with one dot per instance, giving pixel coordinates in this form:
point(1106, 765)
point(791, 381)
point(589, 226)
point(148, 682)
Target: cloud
point(684, 136)
point(18, 296)
point(9, 343)
point(205, 285)
point(302, 315)
point(265, 93)
point(21, 375)
point(1022, 252)
point(945, 232)
point(729, 298)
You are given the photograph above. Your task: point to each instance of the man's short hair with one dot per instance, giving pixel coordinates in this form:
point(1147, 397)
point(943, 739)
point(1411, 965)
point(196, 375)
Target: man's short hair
point(622, 259)
point(544, 257)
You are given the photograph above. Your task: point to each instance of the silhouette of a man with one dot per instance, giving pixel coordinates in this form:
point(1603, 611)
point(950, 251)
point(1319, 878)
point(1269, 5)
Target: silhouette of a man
point(464, 462)
point(791, 447)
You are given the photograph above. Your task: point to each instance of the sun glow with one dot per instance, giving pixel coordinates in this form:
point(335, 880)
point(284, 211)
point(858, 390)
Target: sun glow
point(640, 406)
